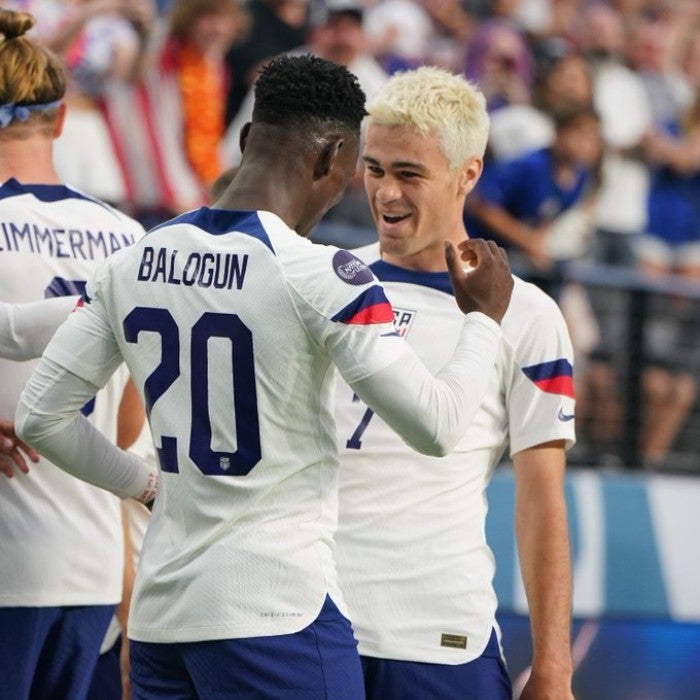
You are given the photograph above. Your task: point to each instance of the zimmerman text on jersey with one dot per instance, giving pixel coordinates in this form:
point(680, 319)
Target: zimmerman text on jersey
point(61, 242)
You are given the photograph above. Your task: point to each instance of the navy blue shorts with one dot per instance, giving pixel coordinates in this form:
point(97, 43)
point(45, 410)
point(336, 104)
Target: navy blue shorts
point(319, 662)
point(50, 653)
point(485, 678)
point(106, 681)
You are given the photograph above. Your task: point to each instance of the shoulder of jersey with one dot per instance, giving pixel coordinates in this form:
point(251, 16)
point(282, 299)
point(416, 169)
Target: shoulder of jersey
point(368, 253)
point(528, 302)
point(67, 195)
point(337, 283)
point(264, 227)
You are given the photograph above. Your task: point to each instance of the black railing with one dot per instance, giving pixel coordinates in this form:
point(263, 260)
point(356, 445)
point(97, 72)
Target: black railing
point(629, 302)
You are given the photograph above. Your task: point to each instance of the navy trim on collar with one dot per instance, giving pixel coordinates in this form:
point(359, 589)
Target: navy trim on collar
point(386, 272)
point(218, 222)
point(45, 193)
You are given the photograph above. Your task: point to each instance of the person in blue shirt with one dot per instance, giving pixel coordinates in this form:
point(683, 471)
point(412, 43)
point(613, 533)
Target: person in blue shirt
point(520, 202)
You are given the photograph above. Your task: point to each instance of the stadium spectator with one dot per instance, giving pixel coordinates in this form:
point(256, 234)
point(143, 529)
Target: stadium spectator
point(168, 124)
point(199, 33)
point(276, 26)
point(562, 83)
point(336, 34)
point(671, 246)
point(499, 59)
point(408, 33)
point(623, 104)
point(522, 201)
point(102, 43)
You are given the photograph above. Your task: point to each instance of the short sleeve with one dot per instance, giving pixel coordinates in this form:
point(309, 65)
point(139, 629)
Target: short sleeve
point(541, 397)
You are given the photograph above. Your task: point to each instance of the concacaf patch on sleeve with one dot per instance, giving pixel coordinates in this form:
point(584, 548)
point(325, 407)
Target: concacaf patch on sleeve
point(351, 269)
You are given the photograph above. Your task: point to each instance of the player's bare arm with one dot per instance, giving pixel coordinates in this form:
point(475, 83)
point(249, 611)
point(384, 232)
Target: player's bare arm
point(543, 548)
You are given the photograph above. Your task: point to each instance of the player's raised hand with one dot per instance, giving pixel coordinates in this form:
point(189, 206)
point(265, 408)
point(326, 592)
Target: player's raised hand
point(488, 286)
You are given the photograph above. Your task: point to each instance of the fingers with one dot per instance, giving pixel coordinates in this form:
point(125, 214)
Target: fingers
point(470, 254)
point(474, 250)
point(6, 467)
point(14, 460)
point(451, 259)
point(29, 451)
point(12, 456)
point(478, 251)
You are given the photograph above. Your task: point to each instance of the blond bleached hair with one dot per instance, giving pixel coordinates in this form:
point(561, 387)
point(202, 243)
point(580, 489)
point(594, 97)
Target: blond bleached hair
point(435, 101)
point(29, 72)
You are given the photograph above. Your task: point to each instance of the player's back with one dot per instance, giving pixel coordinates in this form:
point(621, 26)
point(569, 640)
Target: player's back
point(52, 238)
point(224, 318)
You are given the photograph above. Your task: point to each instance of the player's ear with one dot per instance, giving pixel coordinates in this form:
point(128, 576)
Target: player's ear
point(469, 175)
point(243, 136)
point(327, 156)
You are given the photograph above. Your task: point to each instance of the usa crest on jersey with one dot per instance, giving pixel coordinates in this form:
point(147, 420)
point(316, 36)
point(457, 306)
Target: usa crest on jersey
point(403, 319)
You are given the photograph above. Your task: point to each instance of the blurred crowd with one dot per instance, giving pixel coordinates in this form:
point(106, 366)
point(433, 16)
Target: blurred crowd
point(594, 147)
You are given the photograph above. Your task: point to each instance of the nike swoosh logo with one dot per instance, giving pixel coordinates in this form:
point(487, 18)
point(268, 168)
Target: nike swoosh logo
point(564, 417)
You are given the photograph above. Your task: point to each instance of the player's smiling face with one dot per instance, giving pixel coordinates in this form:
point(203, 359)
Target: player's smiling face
point(415, 197)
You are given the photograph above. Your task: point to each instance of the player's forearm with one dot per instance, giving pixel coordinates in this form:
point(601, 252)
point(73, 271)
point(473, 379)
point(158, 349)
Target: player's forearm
point(432, 413)
point(49, 419)
point(543, 548)
point(25, 329)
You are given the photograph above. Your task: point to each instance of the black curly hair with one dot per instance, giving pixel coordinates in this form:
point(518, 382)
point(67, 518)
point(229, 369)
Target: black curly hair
point(308, 92)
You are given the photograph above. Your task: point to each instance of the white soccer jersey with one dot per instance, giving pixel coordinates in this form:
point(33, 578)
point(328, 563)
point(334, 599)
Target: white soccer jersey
point(412, 556)
point(230, 324)
point(60, 539)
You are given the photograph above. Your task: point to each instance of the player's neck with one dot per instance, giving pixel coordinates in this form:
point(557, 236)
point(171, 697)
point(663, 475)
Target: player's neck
point(28, 161)
point(252, 191)
point(270, 181)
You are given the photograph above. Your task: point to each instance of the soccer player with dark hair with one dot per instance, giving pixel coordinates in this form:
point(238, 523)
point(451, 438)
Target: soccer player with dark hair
point(231, 323)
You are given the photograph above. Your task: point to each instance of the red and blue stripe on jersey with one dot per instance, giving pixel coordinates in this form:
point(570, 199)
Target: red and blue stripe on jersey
point(371, 306)
point(554, 377)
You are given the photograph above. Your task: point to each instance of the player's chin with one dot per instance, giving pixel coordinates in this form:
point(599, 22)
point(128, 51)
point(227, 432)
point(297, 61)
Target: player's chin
point(393, 244)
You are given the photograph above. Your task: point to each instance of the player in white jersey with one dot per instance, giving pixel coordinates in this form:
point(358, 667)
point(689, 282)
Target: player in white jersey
point(231, 323)
point(25, 329)
point(412, 555)
point(60, 539)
